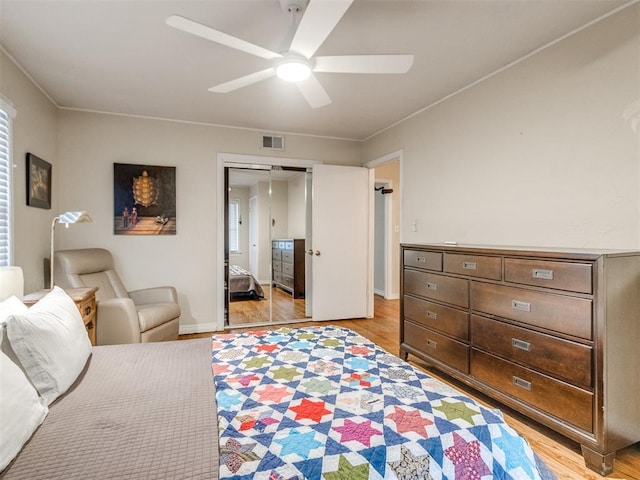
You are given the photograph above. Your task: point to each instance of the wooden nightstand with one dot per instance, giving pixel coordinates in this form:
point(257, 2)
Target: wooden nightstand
point(85, 298)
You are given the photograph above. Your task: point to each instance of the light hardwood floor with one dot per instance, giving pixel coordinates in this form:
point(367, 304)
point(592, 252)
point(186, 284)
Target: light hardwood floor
point(561, 454)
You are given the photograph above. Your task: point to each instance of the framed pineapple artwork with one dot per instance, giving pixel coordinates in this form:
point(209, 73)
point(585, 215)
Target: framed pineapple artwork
point(144, 199)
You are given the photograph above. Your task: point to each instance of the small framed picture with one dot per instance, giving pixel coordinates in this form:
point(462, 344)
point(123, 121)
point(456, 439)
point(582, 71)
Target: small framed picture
point(38, 182)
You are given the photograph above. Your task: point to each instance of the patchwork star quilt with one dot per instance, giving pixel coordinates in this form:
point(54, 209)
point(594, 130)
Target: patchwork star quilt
point(326, 403)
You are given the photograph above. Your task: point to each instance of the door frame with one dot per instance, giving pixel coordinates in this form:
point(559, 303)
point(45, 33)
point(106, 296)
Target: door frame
point(395, 155)
point(236, 160)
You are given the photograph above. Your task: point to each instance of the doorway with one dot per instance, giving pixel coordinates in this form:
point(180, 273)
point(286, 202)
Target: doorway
point(387, 224)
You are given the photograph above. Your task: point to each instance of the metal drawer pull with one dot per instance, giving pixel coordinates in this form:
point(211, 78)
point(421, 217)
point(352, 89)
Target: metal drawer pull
point(519, 382)
point(469, 265)
point(543, 274)
point(521, 344)
point(431, 314)
point(432, 344)
point(522, 306)
point(432, 286)
point(421, 259)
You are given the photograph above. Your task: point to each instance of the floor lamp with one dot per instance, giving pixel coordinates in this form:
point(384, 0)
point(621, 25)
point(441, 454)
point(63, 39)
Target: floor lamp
point(66, 218)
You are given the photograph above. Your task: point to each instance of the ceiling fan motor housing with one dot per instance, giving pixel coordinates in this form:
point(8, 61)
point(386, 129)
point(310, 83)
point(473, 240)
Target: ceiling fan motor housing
point(294, 6)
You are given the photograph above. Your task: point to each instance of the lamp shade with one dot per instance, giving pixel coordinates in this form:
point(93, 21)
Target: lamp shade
point(75, 217)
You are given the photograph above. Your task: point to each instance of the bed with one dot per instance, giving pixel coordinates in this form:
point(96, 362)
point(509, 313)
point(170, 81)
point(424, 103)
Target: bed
point(243, 285)
point(311, 403)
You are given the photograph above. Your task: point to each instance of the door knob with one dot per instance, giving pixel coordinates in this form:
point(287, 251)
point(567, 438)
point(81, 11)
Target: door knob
point(317, 253)
point(310, 252)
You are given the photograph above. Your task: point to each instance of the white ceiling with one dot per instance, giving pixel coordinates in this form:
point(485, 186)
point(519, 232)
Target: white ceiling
point(119, 56)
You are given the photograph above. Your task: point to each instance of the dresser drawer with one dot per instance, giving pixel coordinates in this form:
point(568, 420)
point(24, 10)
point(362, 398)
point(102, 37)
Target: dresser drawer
point(564, 401)
point(437, 317)
point(288, 245)
point(419, 259)
point(287, 268)
point(275, 244)
point(473, 265)
point(276, 254)
point(277, 265)
point(437, 346)
point(287, 280)
point(573, 277)
point(287, 256)
point(277, 276)
point(568, 361)
point(437, 287)
point(559, 313)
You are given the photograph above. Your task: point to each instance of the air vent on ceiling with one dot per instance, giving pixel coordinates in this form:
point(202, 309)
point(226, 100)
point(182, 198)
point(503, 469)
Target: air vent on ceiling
point(273, 142)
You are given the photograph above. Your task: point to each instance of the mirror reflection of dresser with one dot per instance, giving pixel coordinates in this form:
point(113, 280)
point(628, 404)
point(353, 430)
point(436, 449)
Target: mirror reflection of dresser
point(287, 263)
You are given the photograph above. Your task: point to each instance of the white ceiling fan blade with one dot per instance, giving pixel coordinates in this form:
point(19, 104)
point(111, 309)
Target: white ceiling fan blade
point(243, 81)
point(364, 64)
point(313, 92)
point(195, 28)
point(318, 20)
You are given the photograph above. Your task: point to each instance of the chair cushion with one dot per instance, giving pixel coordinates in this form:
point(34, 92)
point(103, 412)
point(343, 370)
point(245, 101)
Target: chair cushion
point(152, 315)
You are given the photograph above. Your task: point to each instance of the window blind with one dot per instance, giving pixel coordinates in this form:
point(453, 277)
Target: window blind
point(233, 226)
point(5, 188)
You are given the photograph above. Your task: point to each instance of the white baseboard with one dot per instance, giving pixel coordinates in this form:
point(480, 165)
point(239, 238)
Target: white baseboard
point(198, 328)
point(393, 296)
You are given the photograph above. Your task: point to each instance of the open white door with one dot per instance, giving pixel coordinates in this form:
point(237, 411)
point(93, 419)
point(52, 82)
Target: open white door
point(341, 242)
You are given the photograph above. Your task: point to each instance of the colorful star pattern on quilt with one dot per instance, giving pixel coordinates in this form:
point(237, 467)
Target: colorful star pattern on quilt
point(410, 466)
point(361, 432)
point(324, 403)
point(454, 410)
point(233, 454)
point(348, 471)
point(310, 410)
point(409, 421)
point(271, 393)
point(466, 458)
point(298, 442)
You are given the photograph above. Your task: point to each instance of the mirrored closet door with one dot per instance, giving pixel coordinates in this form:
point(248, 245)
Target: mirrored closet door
point(265, 245)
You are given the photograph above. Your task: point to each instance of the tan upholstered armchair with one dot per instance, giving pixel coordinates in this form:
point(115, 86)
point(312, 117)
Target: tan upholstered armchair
point(148, 315)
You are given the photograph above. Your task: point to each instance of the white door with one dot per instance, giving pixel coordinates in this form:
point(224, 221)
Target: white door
point(341, 242)
point(253, 237)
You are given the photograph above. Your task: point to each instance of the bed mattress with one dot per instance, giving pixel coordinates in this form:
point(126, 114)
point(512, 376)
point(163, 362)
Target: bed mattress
point(143, 411)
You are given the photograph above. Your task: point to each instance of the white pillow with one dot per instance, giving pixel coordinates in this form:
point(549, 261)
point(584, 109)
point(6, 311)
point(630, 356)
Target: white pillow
point(11, 306)
point(21, 409)
point(51, 342)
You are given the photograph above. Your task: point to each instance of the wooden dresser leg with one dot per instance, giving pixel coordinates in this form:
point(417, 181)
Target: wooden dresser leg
point(602, 464)
point(404, 355)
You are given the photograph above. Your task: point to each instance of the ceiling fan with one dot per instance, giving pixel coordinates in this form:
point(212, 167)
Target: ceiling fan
point(298, 63)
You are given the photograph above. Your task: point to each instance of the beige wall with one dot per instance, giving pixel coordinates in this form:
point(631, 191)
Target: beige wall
point(35, 130)
point(540, 154)
point(90, 144)
point(297, 206)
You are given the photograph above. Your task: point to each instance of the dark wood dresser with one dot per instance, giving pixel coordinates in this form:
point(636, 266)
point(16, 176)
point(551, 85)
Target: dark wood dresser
point(552, 334)
point(287, 262)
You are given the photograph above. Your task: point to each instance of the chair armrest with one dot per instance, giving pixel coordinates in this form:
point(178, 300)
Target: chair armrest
point(117, 322)
point(154, 295)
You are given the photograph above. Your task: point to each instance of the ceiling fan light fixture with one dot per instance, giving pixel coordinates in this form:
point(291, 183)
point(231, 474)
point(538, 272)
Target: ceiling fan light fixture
point(293, 70)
